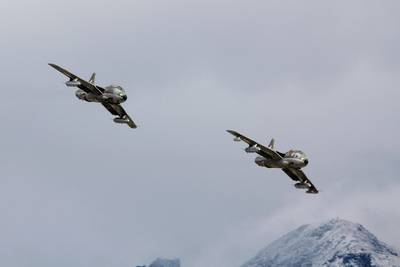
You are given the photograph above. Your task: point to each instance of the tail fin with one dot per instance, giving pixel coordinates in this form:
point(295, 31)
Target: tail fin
point(93, 78)
point(272, 144)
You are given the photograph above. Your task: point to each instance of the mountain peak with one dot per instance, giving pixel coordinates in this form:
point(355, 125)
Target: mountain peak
point(336, 242)
point(166, 263)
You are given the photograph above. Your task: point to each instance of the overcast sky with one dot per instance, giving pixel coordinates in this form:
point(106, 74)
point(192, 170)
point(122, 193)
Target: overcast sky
point(78, 190)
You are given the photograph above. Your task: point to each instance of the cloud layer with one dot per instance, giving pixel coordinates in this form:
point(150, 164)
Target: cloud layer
point(77, 189)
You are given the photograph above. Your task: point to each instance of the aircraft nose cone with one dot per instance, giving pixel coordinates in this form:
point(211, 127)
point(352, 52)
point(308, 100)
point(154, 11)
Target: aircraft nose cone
point(305, 161)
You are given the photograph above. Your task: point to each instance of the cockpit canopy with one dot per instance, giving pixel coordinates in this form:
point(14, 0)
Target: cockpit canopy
point(115, 90)
point(114, 87)
point(298, 154)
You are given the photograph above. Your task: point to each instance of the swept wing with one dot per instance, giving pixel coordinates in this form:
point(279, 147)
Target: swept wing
point(84, 85)
point(299, 175)
point(118, 110)
point(263, 150)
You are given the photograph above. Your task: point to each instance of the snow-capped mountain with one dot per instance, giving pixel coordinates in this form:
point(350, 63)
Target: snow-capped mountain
point(336, 243)
point(166, 263)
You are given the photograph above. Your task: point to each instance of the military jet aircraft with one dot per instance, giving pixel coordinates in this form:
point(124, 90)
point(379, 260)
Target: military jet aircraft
point(110, 97)
point(290, 162)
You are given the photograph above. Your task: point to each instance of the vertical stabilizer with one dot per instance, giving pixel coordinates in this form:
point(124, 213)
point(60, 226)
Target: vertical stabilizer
point(272, 144)
point(93, 78)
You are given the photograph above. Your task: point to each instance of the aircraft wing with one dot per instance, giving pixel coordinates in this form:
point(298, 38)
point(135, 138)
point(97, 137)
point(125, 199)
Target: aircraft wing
point(118, 110)
point(298, 175)
point(84, 85)
point(264, 151)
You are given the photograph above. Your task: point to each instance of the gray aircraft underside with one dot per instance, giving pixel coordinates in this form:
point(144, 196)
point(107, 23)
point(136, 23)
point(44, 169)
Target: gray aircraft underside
point(110, 97)
point(290, 162)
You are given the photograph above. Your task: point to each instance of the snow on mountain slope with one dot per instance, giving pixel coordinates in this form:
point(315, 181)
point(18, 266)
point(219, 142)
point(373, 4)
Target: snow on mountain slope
point(336, 243)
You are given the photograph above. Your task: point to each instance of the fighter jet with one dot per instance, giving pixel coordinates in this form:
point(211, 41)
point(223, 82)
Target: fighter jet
point(290, 162)
point(110, 97)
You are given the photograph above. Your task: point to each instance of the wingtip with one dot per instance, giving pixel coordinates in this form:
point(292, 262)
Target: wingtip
point(312, 191)
point(234, 133)
point(133, 126)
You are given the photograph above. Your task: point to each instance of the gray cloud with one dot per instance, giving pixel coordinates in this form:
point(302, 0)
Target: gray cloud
point(79, 190)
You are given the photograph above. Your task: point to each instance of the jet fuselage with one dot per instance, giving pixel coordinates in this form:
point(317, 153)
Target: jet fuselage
point(292, 159)
point(113, 94)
